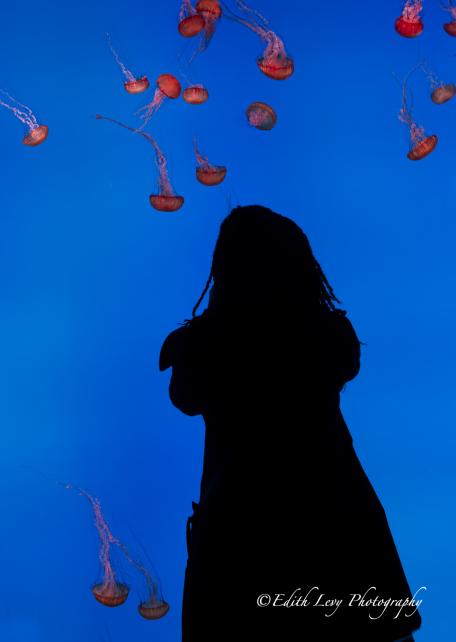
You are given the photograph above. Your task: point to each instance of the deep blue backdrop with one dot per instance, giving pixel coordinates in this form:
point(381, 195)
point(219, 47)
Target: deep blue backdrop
point(92, 280)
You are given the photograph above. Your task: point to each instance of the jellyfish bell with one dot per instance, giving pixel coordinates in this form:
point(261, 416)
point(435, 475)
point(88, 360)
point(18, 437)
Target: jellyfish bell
point(450, 28)
point(195, 95)
point(210, 9)
point(191, 25)
point(153, 609)
point(36, 136)
point(409, 28)
point(137, 86)
point(409, 23)
point(261, 115)
point(277, 67)
point(169, 85)
point(423, 148)
point(211, 175)
point(443, 94)
point(166, 203)
point(111, 594)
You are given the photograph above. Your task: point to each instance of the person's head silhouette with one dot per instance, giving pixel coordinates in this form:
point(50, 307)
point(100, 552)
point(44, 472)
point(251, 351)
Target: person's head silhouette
point(263, 260)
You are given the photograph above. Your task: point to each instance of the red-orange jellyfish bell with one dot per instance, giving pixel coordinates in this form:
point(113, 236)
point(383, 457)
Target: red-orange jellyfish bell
point(275, 63)
point(211, 12)
point(111, 595)
point(450, 27)
point(132, 84)
point(195, 95)
point(36, 133)
point(166, 200)
point(190, 23)
point(409, 23)
point(206, 173)
point(167, 87)
point(153, 609)
point(421, 145)
point(261, 115)
point(440, 92)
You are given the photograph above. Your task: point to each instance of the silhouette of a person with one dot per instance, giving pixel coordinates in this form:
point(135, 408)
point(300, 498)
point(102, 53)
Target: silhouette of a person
point(287, 520)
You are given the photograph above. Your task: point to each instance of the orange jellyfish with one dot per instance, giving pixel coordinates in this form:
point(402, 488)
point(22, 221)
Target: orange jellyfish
point(211, 11)
point(167, 87)
point(261, 116)
point(36, 133)
point(110, 591)
point(195, 94)
point(421, 145)
point(206, 173)
point(166, 200)
point(132, 84)
point(440, 92)
point(275, 62)
point(191, 23)
point(450, 27)
point(409, 23)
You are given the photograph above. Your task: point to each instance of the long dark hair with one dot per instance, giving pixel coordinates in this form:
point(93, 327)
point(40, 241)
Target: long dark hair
point(264, 258)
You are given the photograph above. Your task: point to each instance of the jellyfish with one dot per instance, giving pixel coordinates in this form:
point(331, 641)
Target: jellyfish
point(275, 62)
point(420, 144)
point(36, 133)
point(166, 200)
point(450, 27)
point(195, 94)
point(110, 591)
point(167, 87)
point(409, 23)
point(191, 23)
point(261, 116)
point(206, 173)
point(132, 84)
point(440, 92)
point(211, 11)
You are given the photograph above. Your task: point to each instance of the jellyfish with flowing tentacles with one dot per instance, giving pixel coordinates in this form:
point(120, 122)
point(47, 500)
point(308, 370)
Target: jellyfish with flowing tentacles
point(36, 133)
point(166, 200)
point(211, 11)
point(132, 84)
point(440, 92)
point(191, 23)
point(420, 144)
point(261, 115)
point(450, 27)
point(409, 23)
point(167, 87)
point(111, 592)
point(275, 62)
point(206, 173)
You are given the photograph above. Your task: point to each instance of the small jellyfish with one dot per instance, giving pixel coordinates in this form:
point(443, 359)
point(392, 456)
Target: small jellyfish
point(191, 23)
point(275, 62)
point(206, 173)
point(409, 23)
point(420, 144)
point(440, 92)
point(167, 87)
point(211, 12)
point(195, 94)
point(261, 115)
point(450, 27)
point(36, 133)
point(155, 607)
point(166, 200)
point(132, 84)
point(110, 591)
